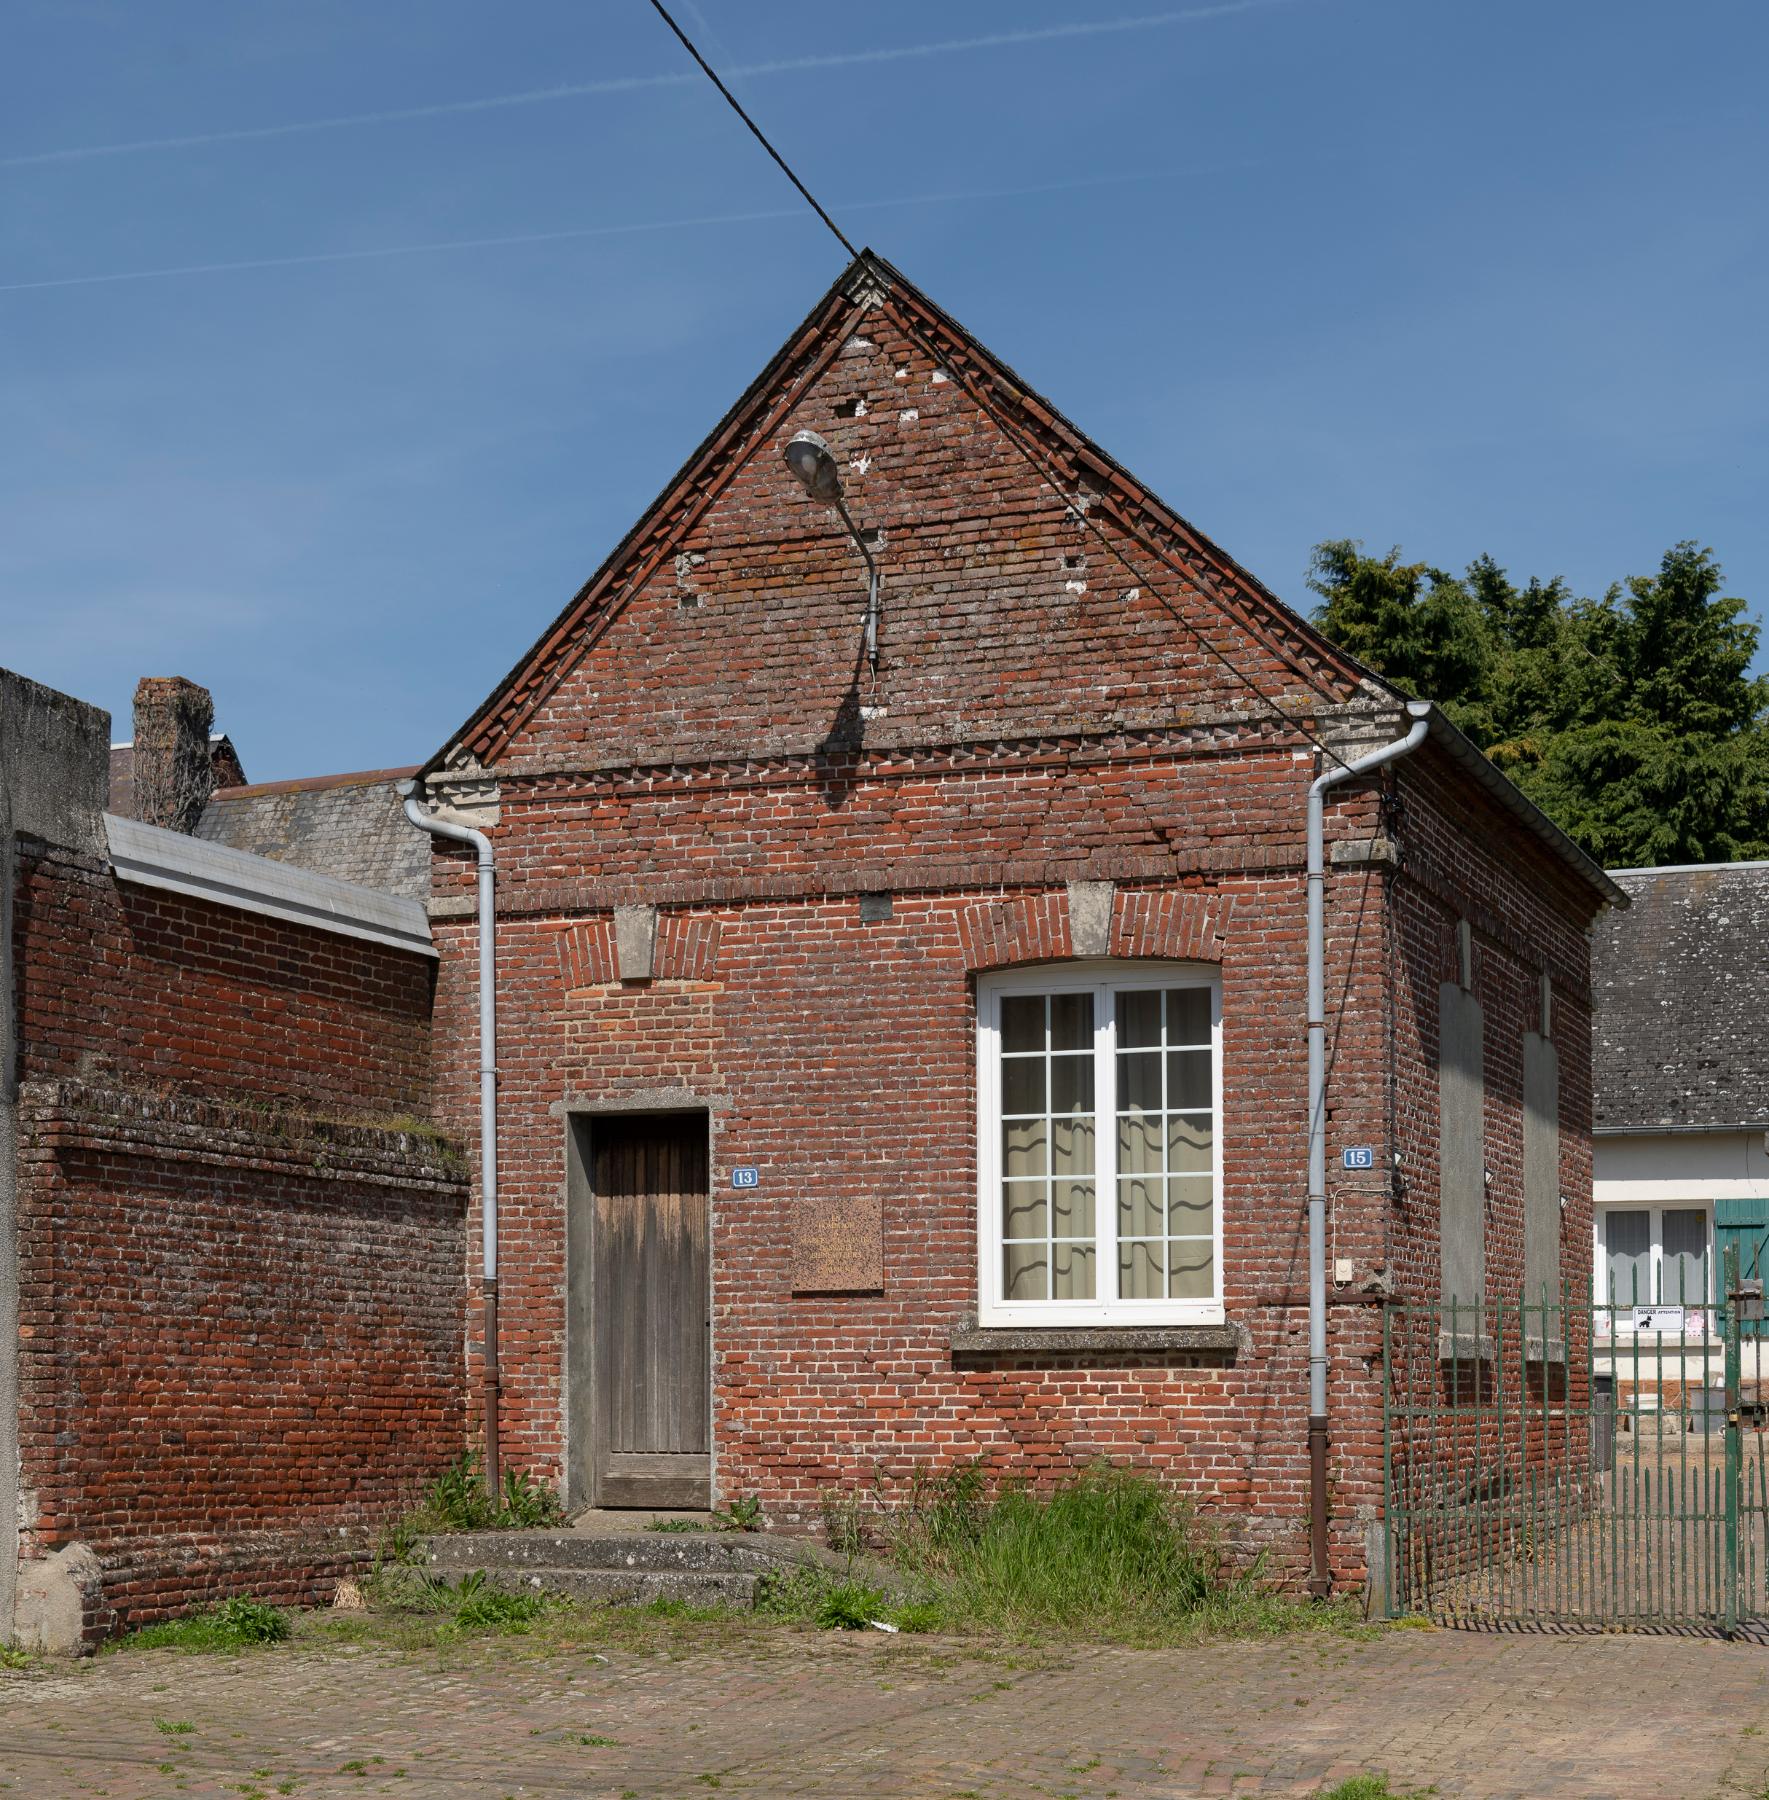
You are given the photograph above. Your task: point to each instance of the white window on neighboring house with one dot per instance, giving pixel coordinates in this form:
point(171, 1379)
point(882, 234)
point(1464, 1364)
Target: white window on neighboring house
point(1653, 1264)
point(1099, 1100)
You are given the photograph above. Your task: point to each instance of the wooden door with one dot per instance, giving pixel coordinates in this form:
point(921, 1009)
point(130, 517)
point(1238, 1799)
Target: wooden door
point(648, 1314)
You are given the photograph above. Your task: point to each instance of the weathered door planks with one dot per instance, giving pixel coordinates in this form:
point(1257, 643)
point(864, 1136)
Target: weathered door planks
point(640, 1256)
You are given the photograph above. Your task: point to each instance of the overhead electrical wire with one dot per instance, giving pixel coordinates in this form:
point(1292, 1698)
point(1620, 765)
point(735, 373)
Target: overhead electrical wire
point(1002, 424)
point(760, 136)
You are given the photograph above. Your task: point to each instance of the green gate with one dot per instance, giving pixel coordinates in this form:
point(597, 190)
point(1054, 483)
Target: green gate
point(1579, 1464)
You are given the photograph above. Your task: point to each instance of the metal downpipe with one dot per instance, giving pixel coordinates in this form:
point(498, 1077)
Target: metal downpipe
point(1320, 1575)
point(488, 1107)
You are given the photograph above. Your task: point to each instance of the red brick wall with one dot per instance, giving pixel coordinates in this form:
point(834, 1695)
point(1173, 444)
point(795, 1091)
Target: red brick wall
point(839, 1057)
point(240, 1249)
point(138, 986)
point(1462, 862)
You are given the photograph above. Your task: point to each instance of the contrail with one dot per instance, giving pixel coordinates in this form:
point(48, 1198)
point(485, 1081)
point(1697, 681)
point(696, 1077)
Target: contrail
point(630, 230)
point(626, 84)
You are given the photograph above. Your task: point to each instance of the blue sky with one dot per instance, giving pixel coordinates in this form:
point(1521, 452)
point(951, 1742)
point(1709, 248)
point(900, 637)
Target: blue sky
point(1461, 277)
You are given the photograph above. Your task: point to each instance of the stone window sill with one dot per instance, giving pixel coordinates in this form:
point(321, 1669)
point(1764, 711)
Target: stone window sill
point(971, 1339)
point(1463, 1346)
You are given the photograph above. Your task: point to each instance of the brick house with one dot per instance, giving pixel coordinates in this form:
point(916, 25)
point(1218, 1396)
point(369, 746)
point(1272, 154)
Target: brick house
point(902, 1015)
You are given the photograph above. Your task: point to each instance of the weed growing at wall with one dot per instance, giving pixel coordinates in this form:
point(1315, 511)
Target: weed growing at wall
point(241, 1623)
point(458, 1500)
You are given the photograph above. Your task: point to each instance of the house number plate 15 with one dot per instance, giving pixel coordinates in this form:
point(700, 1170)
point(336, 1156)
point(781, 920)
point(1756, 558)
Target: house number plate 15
point(1359, 1156)
point(746, 1175)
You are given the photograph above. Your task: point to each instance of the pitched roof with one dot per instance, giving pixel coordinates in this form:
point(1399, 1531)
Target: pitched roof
point(1050, 438)
point(869, 279)
point(1680, 982)
point(349, 826)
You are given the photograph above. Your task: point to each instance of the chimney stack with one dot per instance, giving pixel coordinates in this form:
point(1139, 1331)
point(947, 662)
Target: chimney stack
point(174, 775)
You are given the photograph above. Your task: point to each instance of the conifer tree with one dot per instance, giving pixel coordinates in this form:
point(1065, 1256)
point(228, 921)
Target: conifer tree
point(1632, 721)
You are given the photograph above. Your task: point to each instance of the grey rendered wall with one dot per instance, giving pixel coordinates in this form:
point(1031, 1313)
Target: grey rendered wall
point(1461, 1093)
point(1541, 1167)
point(54, 771)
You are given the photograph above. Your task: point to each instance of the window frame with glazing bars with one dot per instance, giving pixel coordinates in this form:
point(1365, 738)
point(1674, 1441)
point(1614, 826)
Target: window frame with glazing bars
point(1105, 981)
point(1613, 1308)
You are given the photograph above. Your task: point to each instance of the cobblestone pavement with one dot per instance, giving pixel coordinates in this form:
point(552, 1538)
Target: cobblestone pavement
point(827, 1715)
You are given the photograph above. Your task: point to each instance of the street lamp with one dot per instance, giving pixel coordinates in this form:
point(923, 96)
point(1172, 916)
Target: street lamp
point(813, 463)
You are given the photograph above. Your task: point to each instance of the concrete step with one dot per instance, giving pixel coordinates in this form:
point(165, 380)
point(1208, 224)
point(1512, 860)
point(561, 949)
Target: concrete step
point(629, 1552)
point(629, 1587)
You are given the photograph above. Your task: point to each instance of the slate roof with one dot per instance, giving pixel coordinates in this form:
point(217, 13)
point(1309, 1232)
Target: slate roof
point(350, 826)
point(1681, 984)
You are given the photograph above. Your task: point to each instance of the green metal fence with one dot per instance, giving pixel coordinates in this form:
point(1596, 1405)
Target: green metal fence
point(1566, 1462)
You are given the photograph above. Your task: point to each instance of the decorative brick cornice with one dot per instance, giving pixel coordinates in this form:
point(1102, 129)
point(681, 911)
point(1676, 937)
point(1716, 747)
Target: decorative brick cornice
point(911, 876)
point(527, 781)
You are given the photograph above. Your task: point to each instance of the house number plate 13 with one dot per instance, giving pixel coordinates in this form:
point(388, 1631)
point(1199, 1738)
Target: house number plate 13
point(746, 1175)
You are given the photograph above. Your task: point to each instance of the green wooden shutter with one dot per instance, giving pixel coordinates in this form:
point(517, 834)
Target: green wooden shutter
point(1744, 1223)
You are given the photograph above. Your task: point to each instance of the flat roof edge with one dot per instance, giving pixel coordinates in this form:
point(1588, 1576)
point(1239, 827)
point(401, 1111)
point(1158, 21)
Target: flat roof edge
point(151, 857)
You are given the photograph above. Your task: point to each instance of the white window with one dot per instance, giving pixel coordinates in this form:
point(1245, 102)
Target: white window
point(1099, 1091)
point(1653, 1257)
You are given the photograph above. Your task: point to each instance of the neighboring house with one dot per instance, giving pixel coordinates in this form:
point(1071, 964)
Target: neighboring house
point(350, 827)
point(901, 1054)
point(1682, 1103)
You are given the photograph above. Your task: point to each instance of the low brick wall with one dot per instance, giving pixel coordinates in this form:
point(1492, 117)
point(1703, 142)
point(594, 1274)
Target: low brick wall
point(240, 1341)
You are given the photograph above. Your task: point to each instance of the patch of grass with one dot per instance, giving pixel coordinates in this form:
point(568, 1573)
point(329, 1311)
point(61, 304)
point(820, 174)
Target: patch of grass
point(667, 1606)
point(679, 1525)
point(241, 1623)
point(849, 1606)
point(817, 1596)
point(478, 1606)
point(1371, 1787)
point(569, 1629)
point(917, 1616)
point(174, 1727)
point(250, 1621)
point(1109, 1554)
point(16, 1660)
point(471, 1605)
